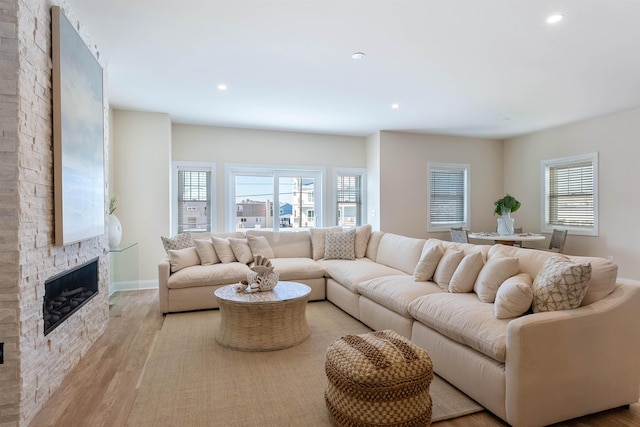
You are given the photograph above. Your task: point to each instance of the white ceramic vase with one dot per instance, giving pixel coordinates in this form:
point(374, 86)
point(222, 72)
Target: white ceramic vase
point(115, 231)
point(505, 223)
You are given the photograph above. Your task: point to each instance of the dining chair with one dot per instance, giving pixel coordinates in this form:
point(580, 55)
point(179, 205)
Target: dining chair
point(459, 235)
point(558, 237)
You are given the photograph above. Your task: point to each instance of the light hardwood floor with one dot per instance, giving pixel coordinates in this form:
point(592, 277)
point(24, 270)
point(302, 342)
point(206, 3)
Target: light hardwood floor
point(101, 390)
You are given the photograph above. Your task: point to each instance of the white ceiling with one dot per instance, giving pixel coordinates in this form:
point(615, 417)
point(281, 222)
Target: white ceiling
point(488, 68)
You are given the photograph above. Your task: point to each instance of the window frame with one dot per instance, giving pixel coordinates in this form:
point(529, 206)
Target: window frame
point(176, 166)
point(569, 161)
point(232, 170)
point(456, 167)
point(362, 173)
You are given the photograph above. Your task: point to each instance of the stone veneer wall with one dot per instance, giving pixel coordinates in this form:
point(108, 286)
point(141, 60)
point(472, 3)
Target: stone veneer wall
point(35, 365)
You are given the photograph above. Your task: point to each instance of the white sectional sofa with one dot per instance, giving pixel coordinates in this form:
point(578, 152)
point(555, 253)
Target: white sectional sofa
point(528, 368)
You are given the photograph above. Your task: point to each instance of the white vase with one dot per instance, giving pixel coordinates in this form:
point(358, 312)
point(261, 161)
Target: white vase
point(505, 223)
point(115, 231)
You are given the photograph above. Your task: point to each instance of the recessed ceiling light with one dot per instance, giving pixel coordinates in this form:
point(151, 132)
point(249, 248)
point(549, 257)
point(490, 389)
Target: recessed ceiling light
point(222, 86)
point(395, 106)
point(554, 19)
point(357, 55)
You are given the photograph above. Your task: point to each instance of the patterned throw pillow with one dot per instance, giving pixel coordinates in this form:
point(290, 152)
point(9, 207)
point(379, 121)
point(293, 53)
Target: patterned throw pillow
point(560, 285)
point(181, 241)
point(340, 245)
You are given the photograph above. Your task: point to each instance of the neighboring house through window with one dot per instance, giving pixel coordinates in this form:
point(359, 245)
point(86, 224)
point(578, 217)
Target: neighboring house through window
point(570, 194)
point(448, 198)
point(349, 197)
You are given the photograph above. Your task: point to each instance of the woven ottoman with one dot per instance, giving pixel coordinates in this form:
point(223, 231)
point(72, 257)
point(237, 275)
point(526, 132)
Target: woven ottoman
point(378, 379)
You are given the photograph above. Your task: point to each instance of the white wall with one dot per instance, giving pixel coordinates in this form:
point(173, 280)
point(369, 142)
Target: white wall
point(373, 180)
point(403, 179)
point(229, 145)
point(617, 140)
point(141, 169)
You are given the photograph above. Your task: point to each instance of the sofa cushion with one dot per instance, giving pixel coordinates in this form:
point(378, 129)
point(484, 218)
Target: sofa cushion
point(604, 274)
point(260, 246)
point(223, 249)
point(530, 260)
point(465, 319)
point(374, 244)
point(560, 285)
point(286, 244)
point(514, 297)
point(206, 251)
point(182, 258)
point(318, 240)
point(297, 268)
point(396, 292)
point(495, 271)
point(340, 245)
point(350, 273)
point(466, 273)
point(241, 250)
point(363, 234)
point(400, 252)
point(179, 241)
point(446, 267)
point(429, 258)
point(208, 275)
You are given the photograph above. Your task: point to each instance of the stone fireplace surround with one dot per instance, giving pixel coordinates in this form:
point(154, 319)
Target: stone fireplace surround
point(27, 252)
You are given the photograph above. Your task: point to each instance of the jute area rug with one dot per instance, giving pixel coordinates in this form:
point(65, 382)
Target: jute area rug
point(189, 380)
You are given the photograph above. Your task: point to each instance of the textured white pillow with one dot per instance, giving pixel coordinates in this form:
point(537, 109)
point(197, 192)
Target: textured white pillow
point(466, 274)
point(318, 240)
point(560, 285)
point(340, 245)
point(180, 241)
point(446, 267)
point(206, 252)
point(514, 297)
point(362, 238)
point(260, 246)
point(494, 272)
point(429, 259)
point(223, 249)
point(241, 250)
point(182, 258)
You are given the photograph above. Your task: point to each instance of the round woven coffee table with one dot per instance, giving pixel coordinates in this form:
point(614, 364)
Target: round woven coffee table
point(263, 321)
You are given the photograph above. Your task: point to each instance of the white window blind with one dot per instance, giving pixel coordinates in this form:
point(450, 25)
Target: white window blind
point(349, 199)
point(447, 196)
point(571, 194)
point(194, 202)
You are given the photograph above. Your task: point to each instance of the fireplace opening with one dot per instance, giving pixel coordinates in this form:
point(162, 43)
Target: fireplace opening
point(66, 292)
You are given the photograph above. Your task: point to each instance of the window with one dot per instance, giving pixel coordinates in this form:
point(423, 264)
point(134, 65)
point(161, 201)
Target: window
point(448, 198)
point(570, 198)
point(192, 208)
point(253, 191)
point(349, 198)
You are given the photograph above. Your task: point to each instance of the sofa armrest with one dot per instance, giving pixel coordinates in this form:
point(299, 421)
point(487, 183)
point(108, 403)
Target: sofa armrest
point(564, 364)
point(164, 271)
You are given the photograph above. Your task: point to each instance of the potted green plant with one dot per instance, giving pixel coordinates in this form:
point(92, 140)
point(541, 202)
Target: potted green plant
point(504, 207)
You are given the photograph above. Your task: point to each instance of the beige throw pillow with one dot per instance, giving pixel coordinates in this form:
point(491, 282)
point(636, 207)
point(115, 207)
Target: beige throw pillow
point(223, 249)
point(318, 240)
point(431, 254)
point(241, 250)
point(206, 252)
point(260, 246)
point(362, 238)
point(466, 274)
point(182, 258)
point(514, 297)
point(494, 272)
point(180, 241)
point(446, 267)
point(560, 285)
point(340, 245)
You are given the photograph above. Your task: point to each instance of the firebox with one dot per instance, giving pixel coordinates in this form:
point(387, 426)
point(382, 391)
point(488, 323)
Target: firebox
point(66, 292)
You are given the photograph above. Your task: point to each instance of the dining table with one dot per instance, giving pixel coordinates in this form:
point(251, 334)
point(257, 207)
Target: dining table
point(507, 239)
